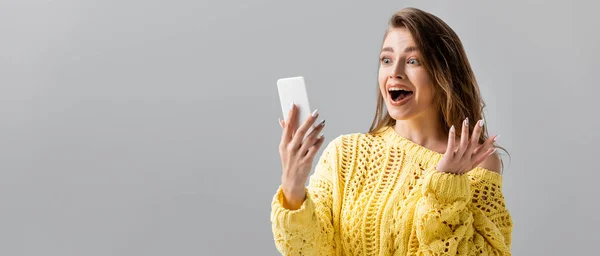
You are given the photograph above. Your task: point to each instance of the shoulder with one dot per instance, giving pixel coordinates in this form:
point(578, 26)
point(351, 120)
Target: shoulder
point(337, 143)
point(492, 163)
point(348, 137)
point(349, 142)
point(357, 138)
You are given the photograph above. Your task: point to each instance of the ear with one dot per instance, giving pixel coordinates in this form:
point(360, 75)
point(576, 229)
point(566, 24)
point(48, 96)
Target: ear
point(492, 163)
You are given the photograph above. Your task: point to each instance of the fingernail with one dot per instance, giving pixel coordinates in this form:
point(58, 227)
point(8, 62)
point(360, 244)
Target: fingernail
point(292, 106)
point(452, 128)
point(322, 123)
point(481, 122)
point(467, 121)
point(496, 138)
point(315, 113)
point(320, 136)
point(493, 151)
point(280, 122)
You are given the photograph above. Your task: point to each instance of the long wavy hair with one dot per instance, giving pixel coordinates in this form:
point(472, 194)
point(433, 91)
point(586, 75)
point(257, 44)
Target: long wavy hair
point(456, 92)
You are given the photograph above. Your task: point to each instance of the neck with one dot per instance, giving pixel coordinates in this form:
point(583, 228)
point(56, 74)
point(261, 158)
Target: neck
point(424, 130)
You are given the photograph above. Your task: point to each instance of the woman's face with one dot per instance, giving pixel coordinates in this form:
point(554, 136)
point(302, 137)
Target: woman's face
point(404, 82)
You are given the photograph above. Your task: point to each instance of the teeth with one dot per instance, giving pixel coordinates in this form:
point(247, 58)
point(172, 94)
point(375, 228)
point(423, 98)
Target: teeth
point(398, 89)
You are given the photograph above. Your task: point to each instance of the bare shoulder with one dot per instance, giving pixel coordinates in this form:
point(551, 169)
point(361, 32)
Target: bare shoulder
point(492, 163)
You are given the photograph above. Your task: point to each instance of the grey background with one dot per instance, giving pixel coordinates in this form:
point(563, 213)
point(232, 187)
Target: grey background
point(149, 127)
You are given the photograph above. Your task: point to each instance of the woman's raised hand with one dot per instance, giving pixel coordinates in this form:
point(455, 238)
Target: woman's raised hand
point(468, 154)
point(297, 155)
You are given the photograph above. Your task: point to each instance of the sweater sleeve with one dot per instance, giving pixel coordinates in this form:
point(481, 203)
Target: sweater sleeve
point(309, 229)
point(463, 215)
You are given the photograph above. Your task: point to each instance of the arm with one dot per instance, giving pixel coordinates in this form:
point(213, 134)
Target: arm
point(309, 229)
point(463, 214)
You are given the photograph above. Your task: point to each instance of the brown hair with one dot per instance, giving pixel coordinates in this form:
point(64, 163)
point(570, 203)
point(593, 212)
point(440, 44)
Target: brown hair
point(456, 92)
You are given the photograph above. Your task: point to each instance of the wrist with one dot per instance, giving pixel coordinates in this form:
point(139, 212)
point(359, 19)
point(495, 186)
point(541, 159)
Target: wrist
point(293, 198)
point(293, 192)
point(291, 186)
point(446, 187)
point(443, 170)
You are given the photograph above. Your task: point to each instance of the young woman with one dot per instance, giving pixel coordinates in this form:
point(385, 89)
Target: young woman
point(425, 179)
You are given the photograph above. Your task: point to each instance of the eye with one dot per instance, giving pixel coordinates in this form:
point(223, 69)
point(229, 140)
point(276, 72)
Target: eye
point(413, 61)
point(386, 60)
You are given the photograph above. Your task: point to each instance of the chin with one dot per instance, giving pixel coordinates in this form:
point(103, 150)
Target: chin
point(399, 114)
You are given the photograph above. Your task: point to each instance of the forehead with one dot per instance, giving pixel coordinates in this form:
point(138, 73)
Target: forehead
point(398, 38)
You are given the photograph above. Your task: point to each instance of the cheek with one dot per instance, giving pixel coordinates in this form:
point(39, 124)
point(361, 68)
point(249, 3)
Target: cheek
point(381, 75)
point(382, 79)
point(420, 79)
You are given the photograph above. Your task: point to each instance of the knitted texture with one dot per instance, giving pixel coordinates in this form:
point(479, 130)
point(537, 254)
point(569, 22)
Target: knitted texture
point(381, 195)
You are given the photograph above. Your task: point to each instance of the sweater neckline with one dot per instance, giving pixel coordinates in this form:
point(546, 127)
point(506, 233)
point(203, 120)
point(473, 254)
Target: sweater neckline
point(427, 156)
point(395, 140)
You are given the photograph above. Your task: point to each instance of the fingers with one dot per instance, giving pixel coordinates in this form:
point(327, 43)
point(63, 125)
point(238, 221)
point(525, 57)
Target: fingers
point(474, 141)
point(312, 138)
point(464, 138)
point(477, 132)
point(286, 135)
point(469, 151)
point(299, 135)
point(479, 159)
point(451, 140)
point(312, 150)
point(483, 148)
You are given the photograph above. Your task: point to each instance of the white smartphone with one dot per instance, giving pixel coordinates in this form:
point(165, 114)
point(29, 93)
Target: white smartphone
point(293, 89)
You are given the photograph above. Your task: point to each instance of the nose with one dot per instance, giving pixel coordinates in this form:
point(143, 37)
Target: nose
point(397, 72)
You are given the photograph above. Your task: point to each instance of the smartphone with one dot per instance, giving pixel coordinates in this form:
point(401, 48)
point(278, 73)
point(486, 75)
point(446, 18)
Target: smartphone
point(293, 89)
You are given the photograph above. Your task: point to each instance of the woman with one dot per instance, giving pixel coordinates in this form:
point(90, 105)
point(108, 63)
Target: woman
point(419, 182)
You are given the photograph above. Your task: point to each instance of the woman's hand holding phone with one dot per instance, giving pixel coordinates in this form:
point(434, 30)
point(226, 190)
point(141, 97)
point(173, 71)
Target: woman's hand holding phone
point(297, 155)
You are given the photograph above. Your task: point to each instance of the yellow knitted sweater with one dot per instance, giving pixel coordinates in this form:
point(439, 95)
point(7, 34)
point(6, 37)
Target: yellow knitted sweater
point(381, 195)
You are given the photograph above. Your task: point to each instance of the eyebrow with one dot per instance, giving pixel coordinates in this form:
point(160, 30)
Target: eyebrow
point(406, 50)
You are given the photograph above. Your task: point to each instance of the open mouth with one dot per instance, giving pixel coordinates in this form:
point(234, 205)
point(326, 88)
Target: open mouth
point(398, 95)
